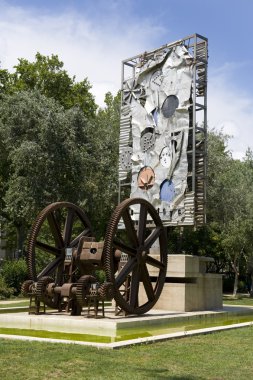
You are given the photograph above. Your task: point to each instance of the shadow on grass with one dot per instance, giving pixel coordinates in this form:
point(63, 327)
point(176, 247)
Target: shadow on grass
point(164, 374)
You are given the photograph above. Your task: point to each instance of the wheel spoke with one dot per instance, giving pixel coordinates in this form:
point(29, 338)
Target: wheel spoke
point(147, 283)
point(48, 248)
point(132, 235)
point(68, 226)
point(51, 267)
point(124, 248)
point(134, 287)
point(152, 238)
point(74, 242)
point(125, 271)
point(57, 224)
point(130, 230)
point(142, 224)
point(155, 263)
point(55, 229)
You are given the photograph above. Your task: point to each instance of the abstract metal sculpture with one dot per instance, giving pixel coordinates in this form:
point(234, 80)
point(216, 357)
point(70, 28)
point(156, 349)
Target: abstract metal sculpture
point(162, 158)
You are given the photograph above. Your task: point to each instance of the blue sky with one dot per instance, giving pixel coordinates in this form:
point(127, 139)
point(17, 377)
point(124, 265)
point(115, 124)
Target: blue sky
point(92, 37)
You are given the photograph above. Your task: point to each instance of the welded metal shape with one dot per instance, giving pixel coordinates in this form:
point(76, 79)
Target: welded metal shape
point(125, 158)
point(163, 131)
point(170, 105)
point(147, 140)
point(146, 178)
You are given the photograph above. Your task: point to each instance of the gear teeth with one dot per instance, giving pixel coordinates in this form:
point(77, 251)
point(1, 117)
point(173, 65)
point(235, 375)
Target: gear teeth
point(41, 292)
point(83, 288)
point(36, 227)
point(42, 285)
point(111, 231)
point(106, 291)
point(25, 288)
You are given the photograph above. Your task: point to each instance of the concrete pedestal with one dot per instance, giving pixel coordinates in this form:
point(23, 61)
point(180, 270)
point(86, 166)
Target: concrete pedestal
point(188, 287)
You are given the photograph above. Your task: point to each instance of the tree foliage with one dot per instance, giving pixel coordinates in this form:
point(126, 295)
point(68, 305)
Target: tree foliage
point(47, 75)
point(102, 168)
point(13, 274)
point(5, 290)
point(231, 209)
point(45, 151)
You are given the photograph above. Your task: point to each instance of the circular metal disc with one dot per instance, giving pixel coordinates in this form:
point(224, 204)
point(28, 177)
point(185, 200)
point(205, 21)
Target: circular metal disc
point(165, 157)
point(146, 178)
point(147, 140)
point(125, 158)
point(170, 105)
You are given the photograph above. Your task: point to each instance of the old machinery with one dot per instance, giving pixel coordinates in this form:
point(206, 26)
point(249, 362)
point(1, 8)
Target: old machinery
point(70, 270)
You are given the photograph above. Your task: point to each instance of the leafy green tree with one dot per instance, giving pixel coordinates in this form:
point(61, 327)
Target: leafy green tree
point(5, 79)
point(47, 75)
point(227, 237)
point(102, 168)
point(45, 151)
point(219, 160)
point(230, 204)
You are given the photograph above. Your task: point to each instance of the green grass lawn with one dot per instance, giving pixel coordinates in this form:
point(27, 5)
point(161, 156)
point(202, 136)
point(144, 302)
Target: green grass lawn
point(222, 355)
point(238, 300)
point(13, 304)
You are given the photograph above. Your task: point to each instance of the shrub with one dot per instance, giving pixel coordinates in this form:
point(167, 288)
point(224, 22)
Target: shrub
point(100, 276)
point(5, 291)
point(14, 273)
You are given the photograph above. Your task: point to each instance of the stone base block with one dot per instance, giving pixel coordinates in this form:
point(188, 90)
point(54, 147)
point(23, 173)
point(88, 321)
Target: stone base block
point(204, 294)
point(188, 287)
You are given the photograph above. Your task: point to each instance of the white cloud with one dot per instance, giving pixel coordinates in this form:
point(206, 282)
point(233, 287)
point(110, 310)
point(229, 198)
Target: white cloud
point(230, 109)
point(87, 47)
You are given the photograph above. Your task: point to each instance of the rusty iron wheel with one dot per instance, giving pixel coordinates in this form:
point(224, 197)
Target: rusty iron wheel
point(57, 228)
point(41, 292)
point(25, 288)
point(83, 288)
point(134, 228)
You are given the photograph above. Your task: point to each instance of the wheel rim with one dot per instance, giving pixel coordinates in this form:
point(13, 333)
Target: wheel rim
point(135, 243)
point(58, 227)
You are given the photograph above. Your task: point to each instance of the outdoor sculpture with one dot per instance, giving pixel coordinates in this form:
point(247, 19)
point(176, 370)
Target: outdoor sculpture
point(162, 160)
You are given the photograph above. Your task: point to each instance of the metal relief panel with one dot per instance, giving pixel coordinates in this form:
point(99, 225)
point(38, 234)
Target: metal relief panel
point(156, 127)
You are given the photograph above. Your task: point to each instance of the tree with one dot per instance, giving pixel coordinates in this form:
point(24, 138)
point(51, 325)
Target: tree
point(227, 237)
point(219, 160)
point(230, 203)
point(45, 150)
point(23, 156)
point(46, 74)
point(102, 169)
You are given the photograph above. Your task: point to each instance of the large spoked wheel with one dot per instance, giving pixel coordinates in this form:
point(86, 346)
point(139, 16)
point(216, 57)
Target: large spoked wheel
point(134, 228)
point(58, 227)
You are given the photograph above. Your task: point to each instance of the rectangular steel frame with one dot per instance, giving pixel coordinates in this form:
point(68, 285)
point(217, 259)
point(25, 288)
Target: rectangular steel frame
point(197, 46)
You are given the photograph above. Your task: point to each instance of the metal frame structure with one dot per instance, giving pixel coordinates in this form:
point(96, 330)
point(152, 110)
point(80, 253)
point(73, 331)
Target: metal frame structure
point(197, 47)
